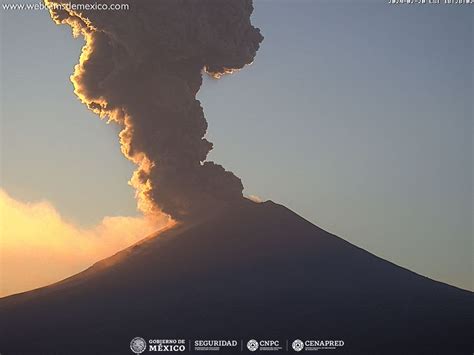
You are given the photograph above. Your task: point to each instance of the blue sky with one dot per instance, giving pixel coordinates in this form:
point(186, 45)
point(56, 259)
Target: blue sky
point(356, 115)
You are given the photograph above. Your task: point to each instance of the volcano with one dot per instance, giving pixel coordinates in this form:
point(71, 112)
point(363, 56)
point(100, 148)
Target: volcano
point(249, 271)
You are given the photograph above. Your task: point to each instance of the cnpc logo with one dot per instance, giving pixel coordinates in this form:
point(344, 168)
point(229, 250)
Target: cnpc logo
point(264, 345)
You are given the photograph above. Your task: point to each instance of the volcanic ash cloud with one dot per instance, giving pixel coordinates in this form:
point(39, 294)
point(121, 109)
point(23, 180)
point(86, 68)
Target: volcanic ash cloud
point(142, 69)
point(39, 246)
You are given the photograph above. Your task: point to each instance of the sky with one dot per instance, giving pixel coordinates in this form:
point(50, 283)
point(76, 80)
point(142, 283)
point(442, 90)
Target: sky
point(356, 115)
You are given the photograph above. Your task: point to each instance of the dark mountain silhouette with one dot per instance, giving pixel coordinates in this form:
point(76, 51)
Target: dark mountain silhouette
point(250, 271)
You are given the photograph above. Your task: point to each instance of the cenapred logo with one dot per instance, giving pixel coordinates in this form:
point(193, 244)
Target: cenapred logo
point(297, 345)
point(252, 345)
point(138, 345)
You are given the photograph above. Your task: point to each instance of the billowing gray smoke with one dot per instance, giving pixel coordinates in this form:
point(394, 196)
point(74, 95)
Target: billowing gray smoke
point(142, 68)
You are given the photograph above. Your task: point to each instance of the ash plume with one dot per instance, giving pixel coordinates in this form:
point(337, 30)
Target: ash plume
point(142, 69)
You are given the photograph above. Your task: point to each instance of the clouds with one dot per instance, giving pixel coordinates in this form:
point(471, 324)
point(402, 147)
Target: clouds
point(142, 68)
point(38, 247)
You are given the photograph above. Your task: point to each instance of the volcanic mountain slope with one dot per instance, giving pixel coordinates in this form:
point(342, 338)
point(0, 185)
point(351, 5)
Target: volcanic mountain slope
point(250, 271)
